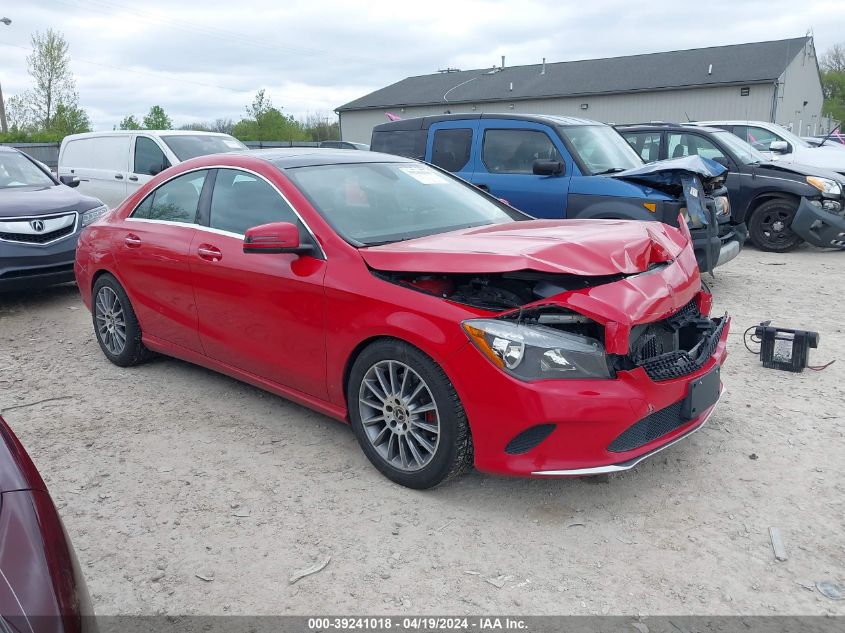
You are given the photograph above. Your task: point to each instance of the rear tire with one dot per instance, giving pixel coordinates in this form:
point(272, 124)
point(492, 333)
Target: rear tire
point(769, 227)
point(115, 324)
point(407, 416)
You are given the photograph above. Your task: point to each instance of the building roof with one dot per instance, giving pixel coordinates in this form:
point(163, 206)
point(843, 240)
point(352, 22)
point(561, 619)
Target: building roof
point(757, 62)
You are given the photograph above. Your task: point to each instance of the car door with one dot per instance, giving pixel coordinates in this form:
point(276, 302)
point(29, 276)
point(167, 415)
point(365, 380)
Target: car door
point(148, 159)
point(449, 146)
point(260, 313)
point(101, 163)
point(505, 152)
point(152, 259)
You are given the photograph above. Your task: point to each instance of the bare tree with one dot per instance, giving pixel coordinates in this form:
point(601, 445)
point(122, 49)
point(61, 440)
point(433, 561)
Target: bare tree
point(834, 59)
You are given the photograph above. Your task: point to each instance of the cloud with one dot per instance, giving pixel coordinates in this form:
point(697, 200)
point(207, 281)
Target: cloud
point(202, 60)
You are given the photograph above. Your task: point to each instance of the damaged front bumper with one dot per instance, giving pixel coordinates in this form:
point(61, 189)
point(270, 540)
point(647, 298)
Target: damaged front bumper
point(713, 250)
point(819, 227)
point(657, 395)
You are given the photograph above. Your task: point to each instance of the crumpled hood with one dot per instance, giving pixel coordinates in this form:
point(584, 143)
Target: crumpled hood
point(577, 247)
point(666, 172)
point(29, 201)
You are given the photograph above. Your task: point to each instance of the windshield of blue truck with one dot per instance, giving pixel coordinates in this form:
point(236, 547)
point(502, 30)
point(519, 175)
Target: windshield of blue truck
point(600, 148)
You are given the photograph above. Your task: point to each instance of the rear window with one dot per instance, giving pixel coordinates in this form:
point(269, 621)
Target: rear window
point(409, 143)
point(187, 146)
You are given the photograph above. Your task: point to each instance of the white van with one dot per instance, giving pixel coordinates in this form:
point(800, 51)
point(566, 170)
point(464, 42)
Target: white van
point(112, 165)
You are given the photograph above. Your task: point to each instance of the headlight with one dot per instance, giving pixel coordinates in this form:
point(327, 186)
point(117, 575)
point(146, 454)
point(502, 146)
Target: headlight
point(92, 215)
point(723, 205)
point(536, 352)
point(825, 185)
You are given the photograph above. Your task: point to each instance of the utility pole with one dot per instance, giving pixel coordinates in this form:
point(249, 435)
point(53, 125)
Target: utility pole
point(4, 125)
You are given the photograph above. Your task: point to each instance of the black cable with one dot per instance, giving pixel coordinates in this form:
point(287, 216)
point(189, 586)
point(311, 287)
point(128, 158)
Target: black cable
point(754, 339)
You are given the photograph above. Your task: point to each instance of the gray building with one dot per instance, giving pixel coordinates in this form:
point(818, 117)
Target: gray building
point(774, 81)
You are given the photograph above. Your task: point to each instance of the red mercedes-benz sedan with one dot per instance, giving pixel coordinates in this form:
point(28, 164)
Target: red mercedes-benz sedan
point(448, 328)
point(41, 586)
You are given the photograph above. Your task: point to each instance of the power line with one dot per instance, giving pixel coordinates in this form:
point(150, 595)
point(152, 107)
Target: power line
point(217, 33)
point(133, 70)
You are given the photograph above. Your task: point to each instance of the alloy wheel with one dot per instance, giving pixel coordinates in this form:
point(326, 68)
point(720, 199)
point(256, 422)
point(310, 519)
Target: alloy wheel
point(111, 322)
point(399, 415)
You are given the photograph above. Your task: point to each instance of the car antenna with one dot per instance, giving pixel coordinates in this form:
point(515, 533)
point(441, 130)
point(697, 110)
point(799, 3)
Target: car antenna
point(831, 133)
point(689, 120)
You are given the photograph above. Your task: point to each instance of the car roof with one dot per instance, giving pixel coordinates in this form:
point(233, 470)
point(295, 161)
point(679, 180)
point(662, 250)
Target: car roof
point(669, 126)
point(154, 132)
point(7, 148)
point(290, 157)
point(424, 122)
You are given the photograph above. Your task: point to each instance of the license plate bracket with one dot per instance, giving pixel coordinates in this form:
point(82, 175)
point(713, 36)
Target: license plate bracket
point(703, 394)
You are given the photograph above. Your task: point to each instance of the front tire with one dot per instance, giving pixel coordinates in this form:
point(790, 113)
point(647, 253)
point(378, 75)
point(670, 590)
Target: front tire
point(115, 324)
point(769, 227)
point(407, 416)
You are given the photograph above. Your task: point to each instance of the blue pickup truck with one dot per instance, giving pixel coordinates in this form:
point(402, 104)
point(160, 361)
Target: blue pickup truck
point(564, 167)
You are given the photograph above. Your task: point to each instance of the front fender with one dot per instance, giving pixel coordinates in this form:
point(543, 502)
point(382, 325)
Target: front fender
point(590, 207)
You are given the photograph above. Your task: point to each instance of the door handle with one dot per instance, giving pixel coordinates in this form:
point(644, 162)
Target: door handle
point(132, 240)
point(133, 178)
point(119, 176)
point(482, 187)
point(209, 253)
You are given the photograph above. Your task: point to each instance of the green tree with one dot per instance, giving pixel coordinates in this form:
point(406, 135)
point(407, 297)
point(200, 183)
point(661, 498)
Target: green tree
point(156, 119)
point(55, 86)
point(267, 123)
point(833, 82)
point(69, 119)
point(129, 122)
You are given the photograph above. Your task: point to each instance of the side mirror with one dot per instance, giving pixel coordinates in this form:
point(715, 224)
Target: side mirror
point(780, 147)
point(70, 181)
point(548, 167)
point(276, 237)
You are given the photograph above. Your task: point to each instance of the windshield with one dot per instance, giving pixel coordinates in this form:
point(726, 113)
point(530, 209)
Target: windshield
point(187, 146)
point(601, 148)
point(16, 170)
point(377, 203)
point(744, 153)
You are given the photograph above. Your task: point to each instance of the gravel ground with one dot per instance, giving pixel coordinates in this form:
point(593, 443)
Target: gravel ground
point(186, 492)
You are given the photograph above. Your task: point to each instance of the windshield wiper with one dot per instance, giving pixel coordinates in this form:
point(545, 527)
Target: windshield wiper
point(612, 170)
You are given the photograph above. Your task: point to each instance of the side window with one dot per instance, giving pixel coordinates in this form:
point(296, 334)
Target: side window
point(646, 144)
point(240, 201)
point(451, 149)
point(757, 137)
point(174, 201)
point(514, 151)
point(692, 145)
point(149, 159)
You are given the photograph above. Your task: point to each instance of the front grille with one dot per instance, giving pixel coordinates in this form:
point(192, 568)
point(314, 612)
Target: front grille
point(529, 438)
point(43, 270)
point(679, 362)
point(649, 429)
point(37, 238)
point(676, 346)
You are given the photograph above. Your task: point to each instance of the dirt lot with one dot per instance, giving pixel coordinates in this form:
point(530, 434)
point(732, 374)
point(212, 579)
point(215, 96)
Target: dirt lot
point(168, 472)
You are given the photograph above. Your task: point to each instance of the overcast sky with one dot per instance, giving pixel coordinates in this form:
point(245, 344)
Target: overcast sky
point(204, 59)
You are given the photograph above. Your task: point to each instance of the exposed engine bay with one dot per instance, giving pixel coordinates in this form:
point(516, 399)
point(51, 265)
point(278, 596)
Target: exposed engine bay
point(501, 291)
point(666, 349)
